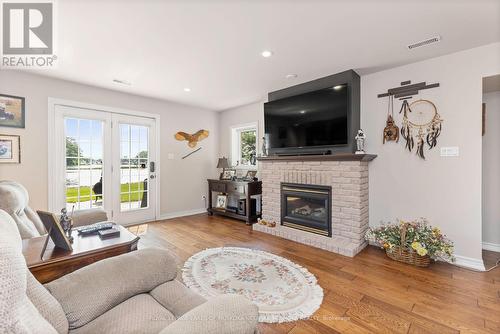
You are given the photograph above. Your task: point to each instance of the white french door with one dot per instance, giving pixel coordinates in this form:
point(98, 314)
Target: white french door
point(105, 159)
point(134, 169)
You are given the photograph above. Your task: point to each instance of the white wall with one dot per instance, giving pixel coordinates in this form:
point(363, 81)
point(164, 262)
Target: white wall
point(241, 115)
point(183, 182)
point(447, 191)
point(491, 170)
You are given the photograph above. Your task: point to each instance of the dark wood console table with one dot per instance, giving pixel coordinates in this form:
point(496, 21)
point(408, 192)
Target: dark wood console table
point(246, 190)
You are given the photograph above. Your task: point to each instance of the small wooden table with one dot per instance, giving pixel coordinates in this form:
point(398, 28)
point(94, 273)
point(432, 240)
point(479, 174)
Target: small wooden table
point(58, 262)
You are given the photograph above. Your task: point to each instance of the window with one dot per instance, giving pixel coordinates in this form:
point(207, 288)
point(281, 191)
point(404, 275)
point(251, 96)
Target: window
point(84, 160)
point(244, 146)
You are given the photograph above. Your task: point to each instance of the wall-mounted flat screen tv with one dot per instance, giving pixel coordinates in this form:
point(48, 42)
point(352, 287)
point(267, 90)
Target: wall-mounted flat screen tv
point(314, 119)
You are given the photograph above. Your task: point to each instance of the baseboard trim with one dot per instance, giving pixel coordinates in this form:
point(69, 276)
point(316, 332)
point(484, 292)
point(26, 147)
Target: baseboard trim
point(468, 262)
point(491, 246)
point(178, 214)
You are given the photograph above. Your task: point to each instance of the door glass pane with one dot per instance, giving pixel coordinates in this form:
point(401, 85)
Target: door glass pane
point(134, 169)
point(84, 161)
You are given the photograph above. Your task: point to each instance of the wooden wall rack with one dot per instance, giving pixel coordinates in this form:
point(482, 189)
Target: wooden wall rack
point(407, 90)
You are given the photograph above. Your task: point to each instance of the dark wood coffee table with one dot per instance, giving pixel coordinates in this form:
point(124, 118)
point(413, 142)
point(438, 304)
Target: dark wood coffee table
point(58, 262)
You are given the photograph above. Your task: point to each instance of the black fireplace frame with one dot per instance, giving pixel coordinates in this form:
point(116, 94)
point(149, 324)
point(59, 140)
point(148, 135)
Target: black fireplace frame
point(313, 191)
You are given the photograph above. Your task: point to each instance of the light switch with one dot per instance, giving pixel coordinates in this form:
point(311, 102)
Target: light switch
point(170, 156)
point(451, 151)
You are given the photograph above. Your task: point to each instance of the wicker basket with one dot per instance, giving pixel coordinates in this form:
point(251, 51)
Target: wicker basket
point(407, 255)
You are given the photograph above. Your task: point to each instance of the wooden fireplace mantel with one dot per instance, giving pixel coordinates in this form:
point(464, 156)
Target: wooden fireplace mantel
point(331, 157)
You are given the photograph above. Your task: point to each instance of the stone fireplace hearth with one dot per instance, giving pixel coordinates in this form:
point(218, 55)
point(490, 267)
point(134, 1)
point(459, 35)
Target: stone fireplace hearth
point(345, 175)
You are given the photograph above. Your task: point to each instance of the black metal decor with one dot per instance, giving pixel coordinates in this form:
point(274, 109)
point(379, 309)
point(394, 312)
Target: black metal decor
point(407, 90)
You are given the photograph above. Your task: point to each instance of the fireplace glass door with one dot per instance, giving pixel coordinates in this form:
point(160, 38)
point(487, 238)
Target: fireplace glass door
point(306, 207)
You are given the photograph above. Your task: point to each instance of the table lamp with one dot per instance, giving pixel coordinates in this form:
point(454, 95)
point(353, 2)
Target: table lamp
point(222, 163)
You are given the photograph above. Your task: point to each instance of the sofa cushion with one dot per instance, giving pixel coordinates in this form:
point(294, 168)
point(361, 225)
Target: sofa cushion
point(46, 304)
point(139, 314)
point(224, 314)
point(90, 291)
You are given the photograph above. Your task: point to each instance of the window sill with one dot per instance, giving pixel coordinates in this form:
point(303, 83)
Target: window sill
point(243, 167)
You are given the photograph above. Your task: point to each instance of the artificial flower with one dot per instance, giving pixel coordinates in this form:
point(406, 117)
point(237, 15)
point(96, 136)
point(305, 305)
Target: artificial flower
point(422, 251)
point(416, 245)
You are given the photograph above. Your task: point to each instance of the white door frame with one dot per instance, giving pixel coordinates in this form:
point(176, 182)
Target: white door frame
point(53, 145)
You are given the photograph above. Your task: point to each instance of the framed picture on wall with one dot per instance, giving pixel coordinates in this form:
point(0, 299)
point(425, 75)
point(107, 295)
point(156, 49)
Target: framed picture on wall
point(10, 149)
point(12, 113)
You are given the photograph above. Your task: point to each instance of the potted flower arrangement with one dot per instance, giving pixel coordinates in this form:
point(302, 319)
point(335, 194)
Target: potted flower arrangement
point(414, 242)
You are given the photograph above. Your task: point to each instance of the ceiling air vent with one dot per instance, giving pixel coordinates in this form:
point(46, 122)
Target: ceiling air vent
point(425, 42)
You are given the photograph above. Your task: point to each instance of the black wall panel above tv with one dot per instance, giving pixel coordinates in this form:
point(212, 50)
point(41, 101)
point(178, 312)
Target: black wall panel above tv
point(316, 117)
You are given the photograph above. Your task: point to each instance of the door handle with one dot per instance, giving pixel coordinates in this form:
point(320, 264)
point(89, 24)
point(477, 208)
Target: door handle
point(152, 176)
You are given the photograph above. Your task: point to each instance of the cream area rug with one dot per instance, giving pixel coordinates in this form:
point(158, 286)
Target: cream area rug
point(282, 290)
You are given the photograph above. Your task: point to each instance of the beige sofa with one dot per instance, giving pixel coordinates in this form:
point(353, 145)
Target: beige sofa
point(14, 200)
point(132, 293)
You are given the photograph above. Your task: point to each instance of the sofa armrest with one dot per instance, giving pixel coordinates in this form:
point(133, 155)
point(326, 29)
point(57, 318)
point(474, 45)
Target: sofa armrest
point(90, 291)
point(227, 314)
point(89, 216)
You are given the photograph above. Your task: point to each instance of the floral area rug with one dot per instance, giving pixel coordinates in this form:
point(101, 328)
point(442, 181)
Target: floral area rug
point(282, 290)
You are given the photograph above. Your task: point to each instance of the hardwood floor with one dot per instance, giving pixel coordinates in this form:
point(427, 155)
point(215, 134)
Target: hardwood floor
point(490, 259)
point(366, 294)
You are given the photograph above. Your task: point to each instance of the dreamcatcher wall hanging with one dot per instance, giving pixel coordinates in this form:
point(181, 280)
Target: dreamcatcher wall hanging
point(421, 125)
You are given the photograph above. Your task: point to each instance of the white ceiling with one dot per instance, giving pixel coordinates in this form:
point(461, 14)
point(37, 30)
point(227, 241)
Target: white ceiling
point(213, 47)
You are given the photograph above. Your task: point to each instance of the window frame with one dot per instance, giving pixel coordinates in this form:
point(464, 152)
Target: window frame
point(236, 144)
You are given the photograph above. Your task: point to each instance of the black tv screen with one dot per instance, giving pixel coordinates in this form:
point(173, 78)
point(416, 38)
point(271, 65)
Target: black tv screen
point(313, 119)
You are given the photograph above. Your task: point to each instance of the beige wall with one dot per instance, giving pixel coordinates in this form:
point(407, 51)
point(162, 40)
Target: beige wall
point(491, 168)
point(445, 190)
point(183, 182)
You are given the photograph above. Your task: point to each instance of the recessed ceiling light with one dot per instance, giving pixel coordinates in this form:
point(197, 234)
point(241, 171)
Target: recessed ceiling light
point(291, 76)
point(266, 53)
point(338, 87)
point(122, 82)
point(187, 89)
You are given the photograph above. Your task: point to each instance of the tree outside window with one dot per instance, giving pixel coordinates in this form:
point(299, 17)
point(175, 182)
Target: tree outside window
point(248, 147)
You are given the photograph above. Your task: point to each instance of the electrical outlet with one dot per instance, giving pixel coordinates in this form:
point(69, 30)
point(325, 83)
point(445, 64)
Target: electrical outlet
point(451, 151)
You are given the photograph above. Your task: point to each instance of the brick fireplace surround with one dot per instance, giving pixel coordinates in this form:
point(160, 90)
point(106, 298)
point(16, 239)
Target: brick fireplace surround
point(347, 174)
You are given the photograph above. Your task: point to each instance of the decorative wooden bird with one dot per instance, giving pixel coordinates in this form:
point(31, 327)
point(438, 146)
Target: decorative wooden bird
point(192, 139)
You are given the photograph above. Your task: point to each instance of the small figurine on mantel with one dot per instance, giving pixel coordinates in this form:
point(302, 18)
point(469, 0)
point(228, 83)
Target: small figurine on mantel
point(360, 142)
point(264, 147)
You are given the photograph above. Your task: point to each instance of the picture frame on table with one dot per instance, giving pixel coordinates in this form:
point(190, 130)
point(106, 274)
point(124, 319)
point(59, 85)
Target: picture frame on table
point(12, 111)
point(250, 175)
point(221, 202)
point(10, 149)
point(228, 174)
